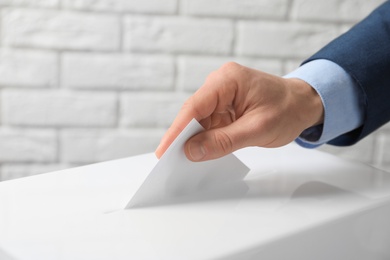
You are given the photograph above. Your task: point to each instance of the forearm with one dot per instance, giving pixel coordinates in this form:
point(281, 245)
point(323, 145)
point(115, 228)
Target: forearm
point(364, 53)
point(341, 97)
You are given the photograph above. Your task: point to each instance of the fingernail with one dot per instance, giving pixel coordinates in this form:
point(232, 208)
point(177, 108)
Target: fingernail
point(197, 151)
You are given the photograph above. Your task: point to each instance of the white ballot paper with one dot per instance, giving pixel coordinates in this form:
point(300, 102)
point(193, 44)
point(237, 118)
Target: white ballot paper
point(174, 175)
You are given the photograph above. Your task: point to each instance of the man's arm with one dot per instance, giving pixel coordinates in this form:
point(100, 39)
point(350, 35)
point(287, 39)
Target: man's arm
point(342, 99)
point(364, 53)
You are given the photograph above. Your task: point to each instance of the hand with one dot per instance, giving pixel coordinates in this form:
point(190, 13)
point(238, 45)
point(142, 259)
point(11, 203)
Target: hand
point(241, 107)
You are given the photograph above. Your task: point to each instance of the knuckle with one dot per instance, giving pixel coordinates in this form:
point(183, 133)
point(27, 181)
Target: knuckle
point(223, 141)
point(230, 66)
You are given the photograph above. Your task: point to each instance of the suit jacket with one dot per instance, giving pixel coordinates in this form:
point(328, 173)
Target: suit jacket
point(364, 52)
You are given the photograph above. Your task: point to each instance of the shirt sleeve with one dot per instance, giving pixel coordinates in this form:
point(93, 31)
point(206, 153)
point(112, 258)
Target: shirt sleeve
point(341, 97)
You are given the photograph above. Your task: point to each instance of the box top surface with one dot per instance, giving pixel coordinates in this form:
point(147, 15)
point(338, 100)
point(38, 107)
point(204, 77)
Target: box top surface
point(79, 213)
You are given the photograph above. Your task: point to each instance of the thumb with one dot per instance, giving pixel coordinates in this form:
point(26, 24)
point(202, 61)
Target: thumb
point(215, 143)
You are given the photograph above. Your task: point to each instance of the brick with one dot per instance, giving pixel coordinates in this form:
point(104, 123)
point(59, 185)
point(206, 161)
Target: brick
point(118, 71)
point(22, 68)
point(150, 109)
point(25, 3)
point(88, 146)
point(58, 108)
point(133, 6)
point(282, 39)
point(333, 10)
point(193, 70)
point(178, 35)
point(276, 9)
point(14, 171)
point(60, 29)
point(27, 145)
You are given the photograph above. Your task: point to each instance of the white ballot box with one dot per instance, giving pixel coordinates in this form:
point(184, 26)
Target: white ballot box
point(293, 204)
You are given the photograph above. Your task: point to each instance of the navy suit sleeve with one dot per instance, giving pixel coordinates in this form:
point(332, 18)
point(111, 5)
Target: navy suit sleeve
point(364, 52)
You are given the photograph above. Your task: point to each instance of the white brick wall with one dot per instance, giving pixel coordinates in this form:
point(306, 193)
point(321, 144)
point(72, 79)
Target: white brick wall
point(178, 34)
point(28, 68)
point(144, 6)
point(60, 29)
point(27, 145)
point(149, 109)
point(332, 10)
point(84, 81)
point(58, 108)
point(117, 71)
point(86, 146)
point(276, 9)
point(282, 39)
point(29, 3)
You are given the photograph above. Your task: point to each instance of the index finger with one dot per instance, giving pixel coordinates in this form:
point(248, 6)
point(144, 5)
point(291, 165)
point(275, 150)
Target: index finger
point(199, 106)
point(217, 94)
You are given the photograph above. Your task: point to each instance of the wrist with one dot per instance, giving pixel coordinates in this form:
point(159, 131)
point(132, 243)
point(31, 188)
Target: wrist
point(308, 104)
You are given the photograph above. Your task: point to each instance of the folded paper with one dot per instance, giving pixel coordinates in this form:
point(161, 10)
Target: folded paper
point(175, 176)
